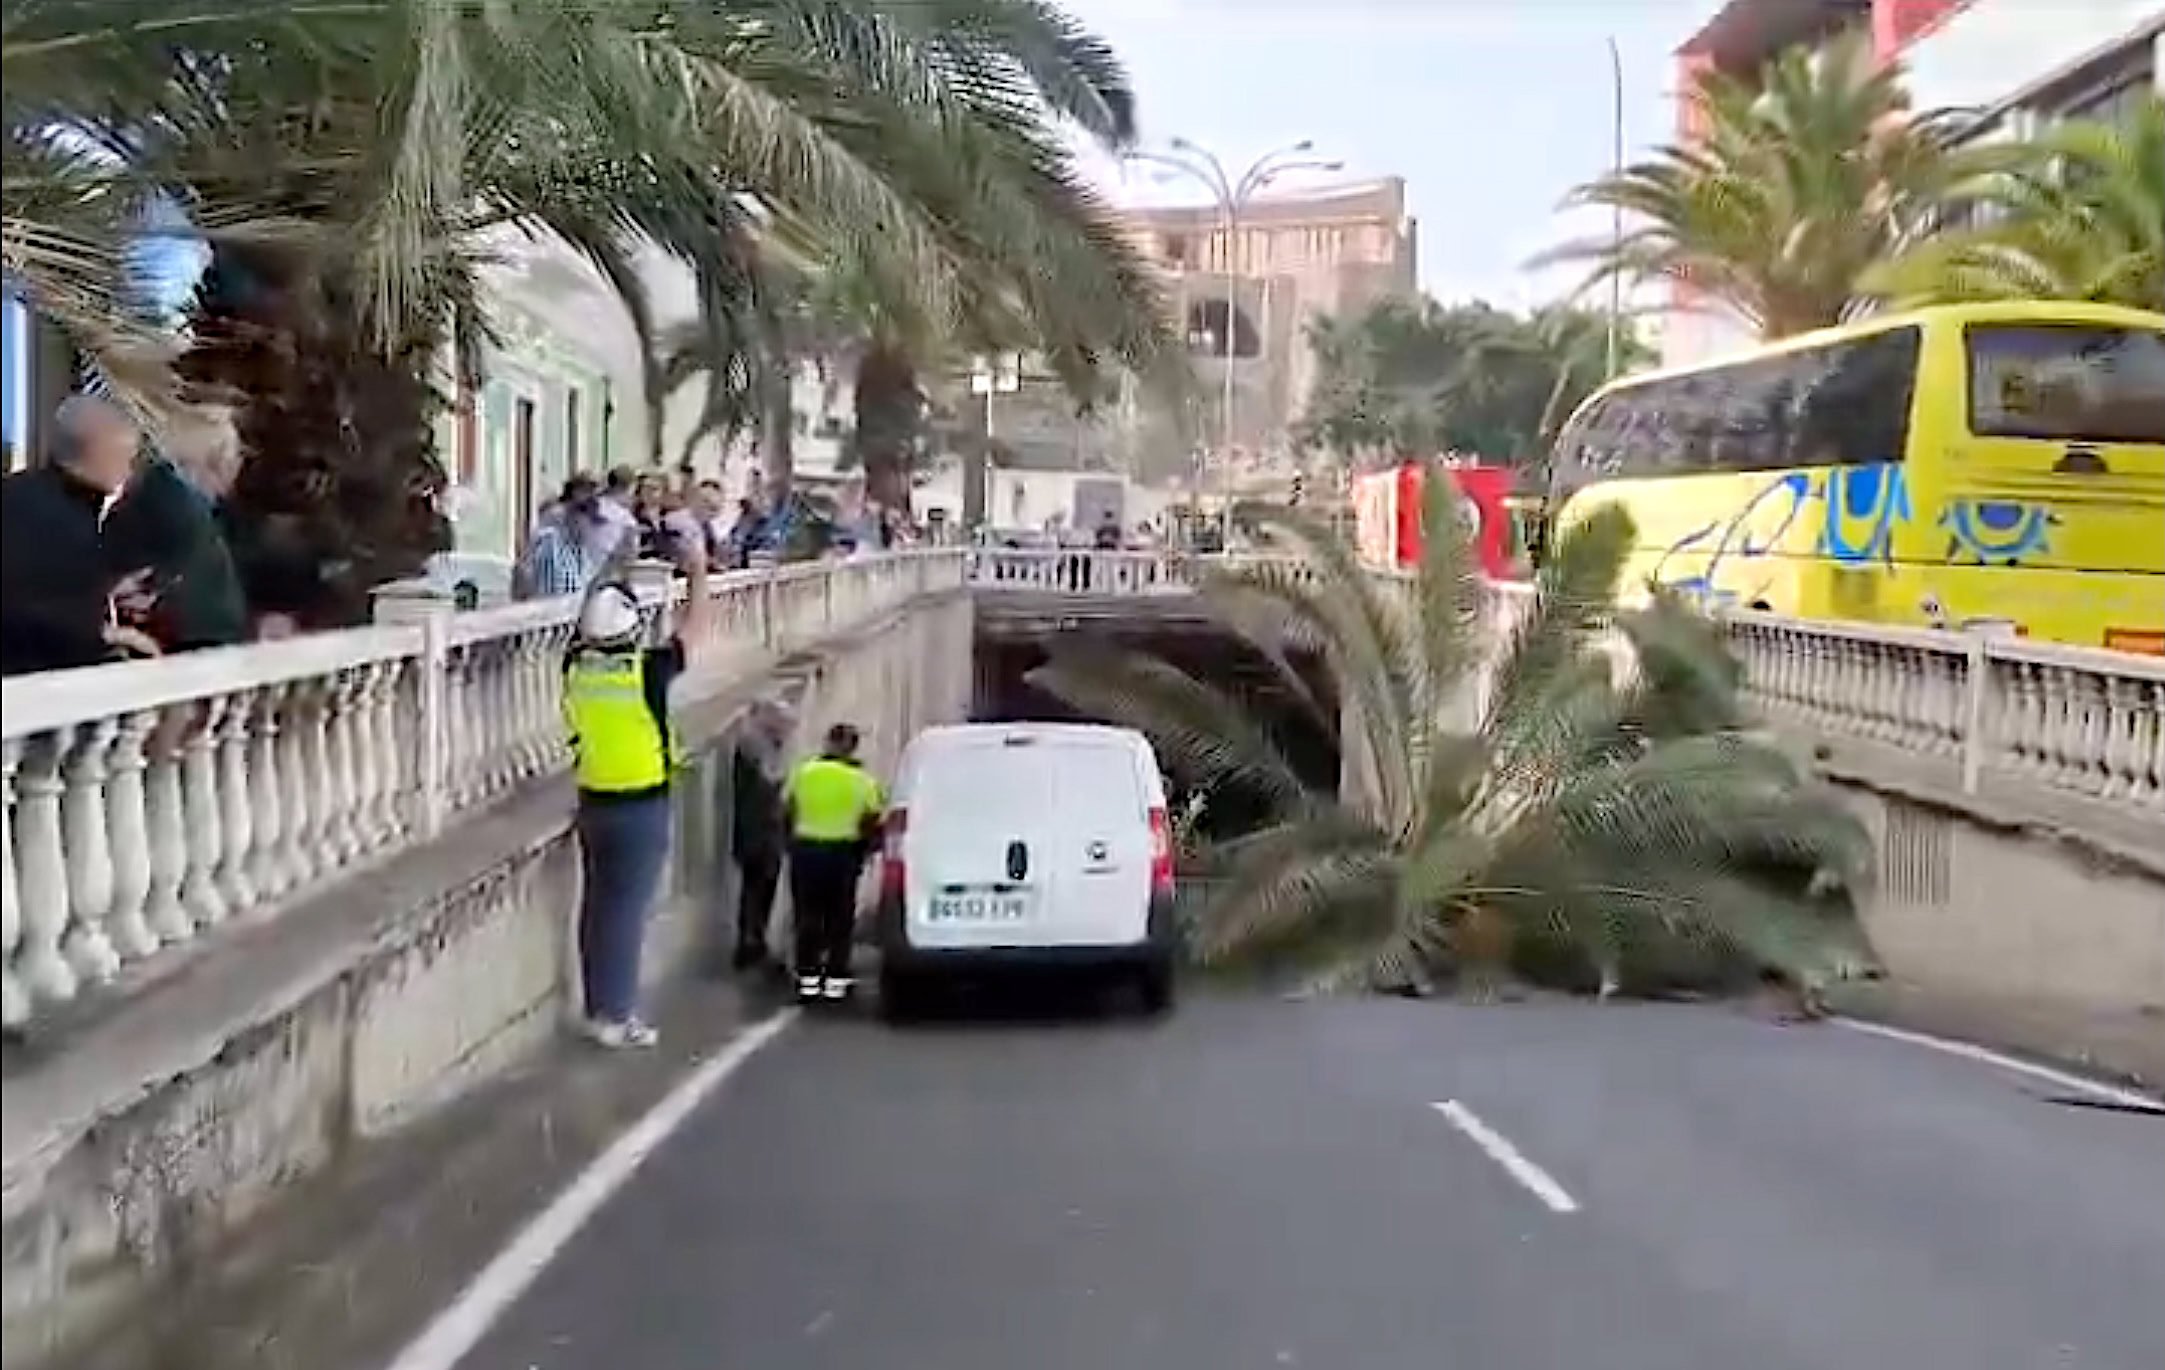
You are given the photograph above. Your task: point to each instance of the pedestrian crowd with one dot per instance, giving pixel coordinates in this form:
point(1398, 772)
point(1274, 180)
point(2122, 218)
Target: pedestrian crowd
point(592, 522)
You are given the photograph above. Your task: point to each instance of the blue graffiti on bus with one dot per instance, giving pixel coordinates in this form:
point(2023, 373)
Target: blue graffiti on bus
point(1864, 506)
point(1985, 532)
point(1861, 509)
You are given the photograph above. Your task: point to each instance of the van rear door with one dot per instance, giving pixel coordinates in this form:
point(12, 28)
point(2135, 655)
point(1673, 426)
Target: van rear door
point(979, 842)
point(1100, 858)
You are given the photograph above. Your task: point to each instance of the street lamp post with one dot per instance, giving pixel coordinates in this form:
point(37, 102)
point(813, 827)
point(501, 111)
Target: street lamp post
point(1232, 195)
point(1616, 211)
point(989, 376)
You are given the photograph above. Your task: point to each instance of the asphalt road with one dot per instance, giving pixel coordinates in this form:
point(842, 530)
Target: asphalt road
point(1266, 1184)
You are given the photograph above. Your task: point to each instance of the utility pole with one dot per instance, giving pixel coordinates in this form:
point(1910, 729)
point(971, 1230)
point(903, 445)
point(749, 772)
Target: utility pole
point(1616, 212)
point(989, 376)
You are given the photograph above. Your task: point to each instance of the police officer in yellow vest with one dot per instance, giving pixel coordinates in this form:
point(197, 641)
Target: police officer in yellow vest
point(834, 808)
point(616, 702)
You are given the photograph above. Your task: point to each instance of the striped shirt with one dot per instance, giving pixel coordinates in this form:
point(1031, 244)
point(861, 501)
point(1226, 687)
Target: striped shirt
point(558, 564)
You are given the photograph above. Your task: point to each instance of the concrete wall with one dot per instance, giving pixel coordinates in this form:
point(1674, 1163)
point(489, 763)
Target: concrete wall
point(141, 1138)
point(1966, 904)
point(2015, 917)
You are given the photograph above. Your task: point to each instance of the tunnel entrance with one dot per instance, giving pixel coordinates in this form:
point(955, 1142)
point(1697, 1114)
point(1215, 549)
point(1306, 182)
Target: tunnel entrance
point(1007, 654)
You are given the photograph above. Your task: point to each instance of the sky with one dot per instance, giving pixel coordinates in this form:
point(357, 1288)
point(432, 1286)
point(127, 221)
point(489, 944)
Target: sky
point(1491, 109)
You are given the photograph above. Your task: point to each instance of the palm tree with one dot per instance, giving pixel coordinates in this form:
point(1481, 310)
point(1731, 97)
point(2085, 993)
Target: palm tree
point(1804, 183)
point(2078, 214)
point(1590, 807)
point(373, 145)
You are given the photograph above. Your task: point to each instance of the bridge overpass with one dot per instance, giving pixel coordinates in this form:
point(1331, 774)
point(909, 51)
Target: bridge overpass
point(264, 904)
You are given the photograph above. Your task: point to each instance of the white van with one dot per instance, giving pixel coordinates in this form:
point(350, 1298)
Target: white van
point(1027, 844)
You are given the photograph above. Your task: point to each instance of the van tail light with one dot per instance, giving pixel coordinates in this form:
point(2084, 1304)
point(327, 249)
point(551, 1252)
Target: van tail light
point(1161, 852)
point(893, 872)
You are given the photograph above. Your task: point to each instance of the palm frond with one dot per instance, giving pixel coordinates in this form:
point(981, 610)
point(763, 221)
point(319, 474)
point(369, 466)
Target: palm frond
point(1198, 730)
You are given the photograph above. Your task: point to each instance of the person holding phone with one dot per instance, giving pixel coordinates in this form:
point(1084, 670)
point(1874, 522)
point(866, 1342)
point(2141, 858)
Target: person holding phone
point(167, 520)
point(64, 602)
point(625, 755)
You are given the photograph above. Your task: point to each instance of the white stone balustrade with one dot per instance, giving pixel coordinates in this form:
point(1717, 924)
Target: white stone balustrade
point(2072, 720)
point(1077, 571)
point(148, 803)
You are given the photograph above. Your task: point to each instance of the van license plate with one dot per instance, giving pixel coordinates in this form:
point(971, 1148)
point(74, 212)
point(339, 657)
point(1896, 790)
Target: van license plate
point(979, 908)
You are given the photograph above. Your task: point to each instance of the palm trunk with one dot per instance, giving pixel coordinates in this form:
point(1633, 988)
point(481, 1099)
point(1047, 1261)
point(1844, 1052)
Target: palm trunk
point(976, 463)
point(340, 494)
point(777, 447)
point(889, 411)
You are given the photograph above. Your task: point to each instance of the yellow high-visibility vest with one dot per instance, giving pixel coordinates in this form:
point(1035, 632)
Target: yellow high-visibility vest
point(831, 800)
point(620, 743)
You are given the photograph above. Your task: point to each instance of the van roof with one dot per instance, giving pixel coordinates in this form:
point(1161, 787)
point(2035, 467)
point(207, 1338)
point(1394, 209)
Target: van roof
point(965, 733)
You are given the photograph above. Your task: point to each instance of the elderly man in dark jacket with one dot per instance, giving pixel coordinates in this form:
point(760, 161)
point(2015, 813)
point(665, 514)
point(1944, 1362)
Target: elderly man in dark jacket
point(758, 827)
point(65, 596)
point(168, 520)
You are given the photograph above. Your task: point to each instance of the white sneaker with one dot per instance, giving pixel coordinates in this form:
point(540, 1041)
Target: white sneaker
point(630, 1034)
point(808, 987)
point(838, 987)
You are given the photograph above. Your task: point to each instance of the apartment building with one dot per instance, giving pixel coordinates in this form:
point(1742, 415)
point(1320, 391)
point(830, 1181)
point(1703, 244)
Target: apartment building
point(1296, 255)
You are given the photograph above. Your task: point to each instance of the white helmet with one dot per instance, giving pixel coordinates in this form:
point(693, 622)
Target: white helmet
point(610, 615)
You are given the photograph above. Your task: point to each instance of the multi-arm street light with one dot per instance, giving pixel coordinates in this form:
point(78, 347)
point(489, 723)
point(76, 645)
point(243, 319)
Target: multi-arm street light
point(1232, 195)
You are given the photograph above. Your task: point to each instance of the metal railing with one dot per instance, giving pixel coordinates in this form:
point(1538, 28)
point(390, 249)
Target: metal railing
point(149, 803)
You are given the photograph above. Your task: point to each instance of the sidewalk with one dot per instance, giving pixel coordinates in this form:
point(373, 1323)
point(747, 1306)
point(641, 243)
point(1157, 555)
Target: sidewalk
point(2126, 1047)
point(369, 1250)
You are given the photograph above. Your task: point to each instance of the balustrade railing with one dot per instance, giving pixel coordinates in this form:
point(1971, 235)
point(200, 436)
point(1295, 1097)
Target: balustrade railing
point(1076, 571)
point(148, 803)
point(2073, 720)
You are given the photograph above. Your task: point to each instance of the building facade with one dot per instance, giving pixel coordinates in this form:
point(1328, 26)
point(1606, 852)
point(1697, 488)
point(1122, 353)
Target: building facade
point(2015, 64)
point(562, 390)
point(1291, 258)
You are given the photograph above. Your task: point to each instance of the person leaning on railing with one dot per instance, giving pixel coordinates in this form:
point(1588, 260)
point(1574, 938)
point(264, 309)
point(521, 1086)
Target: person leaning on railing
point(65, 599)
point(625, 752)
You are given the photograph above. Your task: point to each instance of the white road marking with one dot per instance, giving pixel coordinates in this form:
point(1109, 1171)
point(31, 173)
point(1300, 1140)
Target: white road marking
point(1539, 1182)
point(1970, 1051)
point(459, 1327)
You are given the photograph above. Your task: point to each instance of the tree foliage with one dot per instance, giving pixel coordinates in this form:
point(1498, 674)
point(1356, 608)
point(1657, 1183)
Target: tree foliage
point(2078, 214)
point(1413, 379)
point(1569, 788)
point(1806, 181)
point(382, 145)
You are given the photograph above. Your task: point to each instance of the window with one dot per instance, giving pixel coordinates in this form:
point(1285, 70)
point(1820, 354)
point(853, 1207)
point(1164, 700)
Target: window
point(522, 465)
point(1847, 404)
point(2067, 383)
point(466, 434)
point(1853, 401)
point(1176, 249)
point(2118, 101)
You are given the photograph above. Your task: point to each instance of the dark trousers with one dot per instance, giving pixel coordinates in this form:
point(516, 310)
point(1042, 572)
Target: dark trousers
point(623, 851)
point(823, 902)
point(759, 873)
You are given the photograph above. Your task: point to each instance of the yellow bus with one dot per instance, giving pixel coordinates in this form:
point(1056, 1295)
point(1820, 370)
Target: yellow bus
point(1961, 466)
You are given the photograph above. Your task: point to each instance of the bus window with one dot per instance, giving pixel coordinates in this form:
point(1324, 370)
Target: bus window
point(1853, 409)
point(2067, 383)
